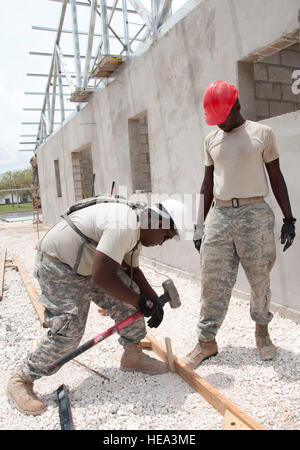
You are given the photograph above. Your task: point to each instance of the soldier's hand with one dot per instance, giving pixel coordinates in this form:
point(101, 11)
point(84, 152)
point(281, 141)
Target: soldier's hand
point(198, 235)
point(148, 305)
point(157, 318)
point(288, 233)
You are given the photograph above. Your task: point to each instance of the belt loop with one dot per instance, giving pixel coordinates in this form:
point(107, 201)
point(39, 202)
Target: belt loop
point(235, 204)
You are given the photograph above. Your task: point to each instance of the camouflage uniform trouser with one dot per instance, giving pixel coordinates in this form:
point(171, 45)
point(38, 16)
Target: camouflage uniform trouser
point(235, 235)
point(66, 298)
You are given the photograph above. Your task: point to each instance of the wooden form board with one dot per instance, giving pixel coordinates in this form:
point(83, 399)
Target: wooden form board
point(2, 268)
point(32, 292)
point(231, 422)
point(208, 392)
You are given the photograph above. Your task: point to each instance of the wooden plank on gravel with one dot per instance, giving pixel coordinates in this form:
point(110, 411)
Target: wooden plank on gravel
point(208, 392)
point(2, 268)
point(32, 292)
point(146, 345)
point(231, 422)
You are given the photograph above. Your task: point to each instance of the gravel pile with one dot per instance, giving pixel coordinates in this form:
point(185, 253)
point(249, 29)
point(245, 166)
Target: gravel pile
point(267, 391)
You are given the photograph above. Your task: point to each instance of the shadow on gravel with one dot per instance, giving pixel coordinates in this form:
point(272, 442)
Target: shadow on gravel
point(284, 363)
point(134, 393)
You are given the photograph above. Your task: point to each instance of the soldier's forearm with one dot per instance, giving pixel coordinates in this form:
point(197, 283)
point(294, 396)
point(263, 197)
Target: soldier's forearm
point(279, 188)
point(206, 198)
point(282, 197)
point(142, 282)
point(114, 286)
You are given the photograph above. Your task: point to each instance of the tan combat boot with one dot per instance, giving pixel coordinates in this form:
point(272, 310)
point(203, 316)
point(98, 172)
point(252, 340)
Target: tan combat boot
point(20, 391)
point(133, 359)
point(202, 351)
point(265, 346)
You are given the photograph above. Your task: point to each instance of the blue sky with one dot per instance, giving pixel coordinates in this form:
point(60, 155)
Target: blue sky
point(17, 39)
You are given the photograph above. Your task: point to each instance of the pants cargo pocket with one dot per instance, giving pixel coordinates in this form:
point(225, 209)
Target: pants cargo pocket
point(268, 249)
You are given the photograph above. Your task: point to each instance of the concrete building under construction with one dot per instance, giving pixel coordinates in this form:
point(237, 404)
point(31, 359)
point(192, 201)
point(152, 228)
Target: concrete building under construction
point(143, 126)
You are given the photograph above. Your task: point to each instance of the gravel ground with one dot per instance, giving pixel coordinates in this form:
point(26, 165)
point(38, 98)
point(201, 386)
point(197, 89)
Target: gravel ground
point(267, 391)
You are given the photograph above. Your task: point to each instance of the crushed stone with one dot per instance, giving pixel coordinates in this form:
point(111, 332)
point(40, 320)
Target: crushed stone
point(268, 391)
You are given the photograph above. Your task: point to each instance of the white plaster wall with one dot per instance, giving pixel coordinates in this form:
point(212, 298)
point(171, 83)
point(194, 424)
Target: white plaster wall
point(168, 81)
point(285, 276)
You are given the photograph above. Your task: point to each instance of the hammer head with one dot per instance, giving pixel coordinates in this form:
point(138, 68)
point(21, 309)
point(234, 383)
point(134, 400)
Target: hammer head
point(171, 291)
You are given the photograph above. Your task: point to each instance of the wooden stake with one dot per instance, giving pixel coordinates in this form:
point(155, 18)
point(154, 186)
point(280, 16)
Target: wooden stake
point(211, 395)
point(32, 292)
point(170, 354)
point(2, 268)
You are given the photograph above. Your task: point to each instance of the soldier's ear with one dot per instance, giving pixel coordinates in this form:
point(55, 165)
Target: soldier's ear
point(237, 105)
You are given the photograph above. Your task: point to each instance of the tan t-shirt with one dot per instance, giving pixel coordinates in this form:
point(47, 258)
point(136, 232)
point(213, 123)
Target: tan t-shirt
point(114, 226)
point(238, 158)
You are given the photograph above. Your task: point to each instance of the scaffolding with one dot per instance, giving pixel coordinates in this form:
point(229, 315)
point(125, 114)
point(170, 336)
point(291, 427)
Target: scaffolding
point(129, 27)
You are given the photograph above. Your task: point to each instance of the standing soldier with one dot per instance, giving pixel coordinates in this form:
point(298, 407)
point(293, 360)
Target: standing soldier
point(35, 189)
point(239, 227)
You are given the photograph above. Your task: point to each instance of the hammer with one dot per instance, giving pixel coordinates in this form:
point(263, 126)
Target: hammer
point(170, 295)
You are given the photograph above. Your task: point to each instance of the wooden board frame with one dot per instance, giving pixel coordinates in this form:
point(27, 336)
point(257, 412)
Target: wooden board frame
point(231, 422)
point(32, 292)
point(2, 269)
point(208, 392)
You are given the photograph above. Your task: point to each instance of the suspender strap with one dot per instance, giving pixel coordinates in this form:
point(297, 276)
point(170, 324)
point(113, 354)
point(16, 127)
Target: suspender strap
point(79, 255)
point(72, 225)
point(131, 258)
point(83, 241)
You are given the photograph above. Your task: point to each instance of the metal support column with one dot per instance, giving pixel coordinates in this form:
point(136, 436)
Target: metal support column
point(125, 25)
point(105, 38)
point(76, 44)
point(90, 43)
point(60, 89)
point(53, 94)
point(154, 8)
point(164, 12)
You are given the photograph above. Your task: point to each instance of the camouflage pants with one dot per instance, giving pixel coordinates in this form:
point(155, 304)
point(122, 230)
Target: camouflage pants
point(235, 235)
point(66, 298)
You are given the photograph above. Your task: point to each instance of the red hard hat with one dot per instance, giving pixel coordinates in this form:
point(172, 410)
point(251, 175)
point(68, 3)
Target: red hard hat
point(218, 101)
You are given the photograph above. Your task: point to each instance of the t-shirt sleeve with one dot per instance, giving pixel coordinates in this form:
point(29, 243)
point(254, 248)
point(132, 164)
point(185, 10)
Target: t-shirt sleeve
point(116, 242)
point(270, 152)
point(208, 161)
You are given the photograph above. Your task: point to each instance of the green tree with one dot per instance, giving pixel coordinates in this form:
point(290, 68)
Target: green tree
point(17, 179)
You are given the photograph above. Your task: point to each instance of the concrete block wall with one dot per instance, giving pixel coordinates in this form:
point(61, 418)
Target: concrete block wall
point(144, 160)
point(82, 166)
point(273, 83)
point(77, 175)
point(86, 171)
point(139, 154)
